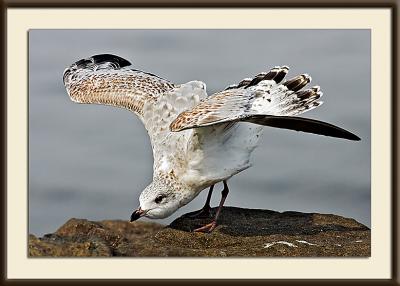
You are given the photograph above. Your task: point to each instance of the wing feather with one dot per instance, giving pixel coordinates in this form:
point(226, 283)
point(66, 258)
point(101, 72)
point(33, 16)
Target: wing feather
point(111, 80)
point(262, 100)
point(261, 95)
point(304, 125)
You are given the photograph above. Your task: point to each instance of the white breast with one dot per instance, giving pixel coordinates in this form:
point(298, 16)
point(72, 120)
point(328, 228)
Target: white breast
point(218, 152)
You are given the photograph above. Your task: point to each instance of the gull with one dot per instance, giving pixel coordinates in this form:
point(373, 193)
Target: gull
point(198, 140)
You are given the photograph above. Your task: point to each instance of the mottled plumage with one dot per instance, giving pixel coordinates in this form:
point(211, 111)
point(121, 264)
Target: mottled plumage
point(197, 140)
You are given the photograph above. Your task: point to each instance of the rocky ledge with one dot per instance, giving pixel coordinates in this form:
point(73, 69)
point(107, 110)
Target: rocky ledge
point(241, 232)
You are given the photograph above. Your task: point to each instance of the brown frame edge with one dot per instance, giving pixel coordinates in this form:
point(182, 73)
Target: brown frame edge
point(392, 4)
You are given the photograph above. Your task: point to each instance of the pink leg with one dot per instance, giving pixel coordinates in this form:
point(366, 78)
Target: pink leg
point(212, 225)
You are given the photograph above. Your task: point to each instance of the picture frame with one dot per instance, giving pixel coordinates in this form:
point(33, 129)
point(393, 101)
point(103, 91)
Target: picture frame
point(9, 142)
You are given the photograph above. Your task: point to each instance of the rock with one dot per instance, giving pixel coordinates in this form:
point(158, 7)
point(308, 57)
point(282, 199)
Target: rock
point(241, 232)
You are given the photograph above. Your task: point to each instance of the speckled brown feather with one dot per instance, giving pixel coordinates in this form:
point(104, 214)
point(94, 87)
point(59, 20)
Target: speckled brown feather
point(261, 95)
point(88, 81)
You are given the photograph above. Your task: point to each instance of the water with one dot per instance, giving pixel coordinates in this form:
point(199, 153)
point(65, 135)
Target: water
point(92, 161)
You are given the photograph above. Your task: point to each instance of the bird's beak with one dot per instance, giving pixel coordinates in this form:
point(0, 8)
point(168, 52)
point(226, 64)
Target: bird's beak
point(137, 214)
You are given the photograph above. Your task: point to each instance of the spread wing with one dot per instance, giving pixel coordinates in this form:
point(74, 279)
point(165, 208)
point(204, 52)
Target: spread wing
point(111, 80)
point(265, 101)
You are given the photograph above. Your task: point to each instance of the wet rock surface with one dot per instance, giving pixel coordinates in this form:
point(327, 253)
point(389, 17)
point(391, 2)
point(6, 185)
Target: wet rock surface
point(241, 232)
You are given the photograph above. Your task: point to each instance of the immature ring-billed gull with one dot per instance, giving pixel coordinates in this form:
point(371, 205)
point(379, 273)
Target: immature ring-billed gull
point(197, 140)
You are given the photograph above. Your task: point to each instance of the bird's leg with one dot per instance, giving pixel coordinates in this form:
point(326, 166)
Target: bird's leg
point(205, 211)
point(212, 225)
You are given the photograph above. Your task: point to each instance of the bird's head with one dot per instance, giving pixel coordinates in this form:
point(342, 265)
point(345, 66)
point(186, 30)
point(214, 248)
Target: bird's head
point(160, 200)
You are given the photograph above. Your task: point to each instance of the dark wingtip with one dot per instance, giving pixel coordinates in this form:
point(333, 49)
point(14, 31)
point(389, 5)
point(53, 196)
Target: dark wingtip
point(344, 134)
point(354, 137)
point(303, 124)
point(102, 58)
point(116, 61)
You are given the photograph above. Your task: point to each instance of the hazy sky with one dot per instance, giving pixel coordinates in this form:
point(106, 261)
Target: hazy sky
point(92, 161)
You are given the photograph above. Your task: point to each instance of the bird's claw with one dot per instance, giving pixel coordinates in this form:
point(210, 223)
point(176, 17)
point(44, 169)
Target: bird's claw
point(207, 228)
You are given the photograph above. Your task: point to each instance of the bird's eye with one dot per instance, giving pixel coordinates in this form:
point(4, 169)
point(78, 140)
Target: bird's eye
point(159, 198)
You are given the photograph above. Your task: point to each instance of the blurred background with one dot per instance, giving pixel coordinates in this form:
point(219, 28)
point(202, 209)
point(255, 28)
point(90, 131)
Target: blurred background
point(92, 161)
